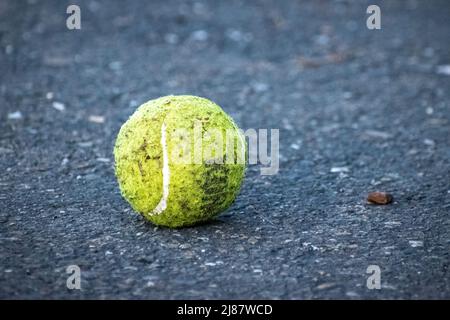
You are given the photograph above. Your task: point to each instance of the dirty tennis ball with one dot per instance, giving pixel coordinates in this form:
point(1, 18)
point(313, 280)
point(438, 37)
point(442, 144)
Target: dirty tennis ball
point(179, 160)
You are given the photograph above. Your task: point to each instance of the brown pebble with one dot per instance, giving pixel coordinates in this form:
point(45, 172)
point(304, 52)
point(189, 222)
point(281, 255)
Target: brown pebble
point(379, 198)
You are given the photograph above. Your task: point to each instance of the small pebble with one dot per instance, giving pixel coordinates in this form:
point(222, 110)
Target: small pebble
point(379, 198)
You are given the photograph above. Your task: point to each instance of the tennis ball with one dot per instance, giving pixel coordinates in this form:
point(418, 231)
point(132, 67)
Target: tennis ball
point(179, 160)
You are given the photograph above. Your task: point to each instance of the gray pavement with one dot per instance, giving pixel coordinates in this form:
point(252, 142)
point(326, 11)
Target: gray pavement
point(374, 103)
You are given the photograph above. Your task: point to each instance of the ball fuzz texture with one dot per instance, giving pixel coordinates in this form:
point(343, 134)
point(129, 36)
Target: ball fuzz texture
point(179, 160)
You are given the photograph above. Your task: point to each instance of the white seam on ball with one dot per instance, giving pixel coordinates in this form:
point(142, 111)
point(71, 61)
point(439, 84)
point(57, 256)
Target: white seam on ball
point(162, 205)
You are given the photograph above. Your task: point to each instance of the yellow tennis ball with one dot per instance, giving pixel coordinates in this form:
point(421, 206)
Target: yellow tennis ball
point(179, 160)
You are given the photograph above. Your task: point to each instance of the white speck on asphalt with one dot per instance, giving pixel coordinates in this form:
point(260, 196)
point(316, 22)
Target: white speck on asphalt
point(58, 106)
point(15, 115)
point(443, 69)
point(238, 36)
point(322, 39)
point(115, 65)
point(388, 286)
point(133, 103)
point(347, 95)
point(429, 142)
point(352, 294)
point(9, 49)
point(5, 150)
point(235, 35)
point(85, 144)
point(392, 223)
point(260, 87)
point(287, 125)
point(309, 245)
point(295, 146)
point(378, 134)
point(415, 243)
point(324, 286)
point(96, 119)
point(171, 38)
point(339, 169)
point(200, 35)
point(31, 131)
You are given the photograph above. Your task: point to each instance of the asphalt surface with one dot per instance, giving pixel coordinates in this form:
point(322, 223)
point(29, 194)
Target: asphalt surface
point(358, 110)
